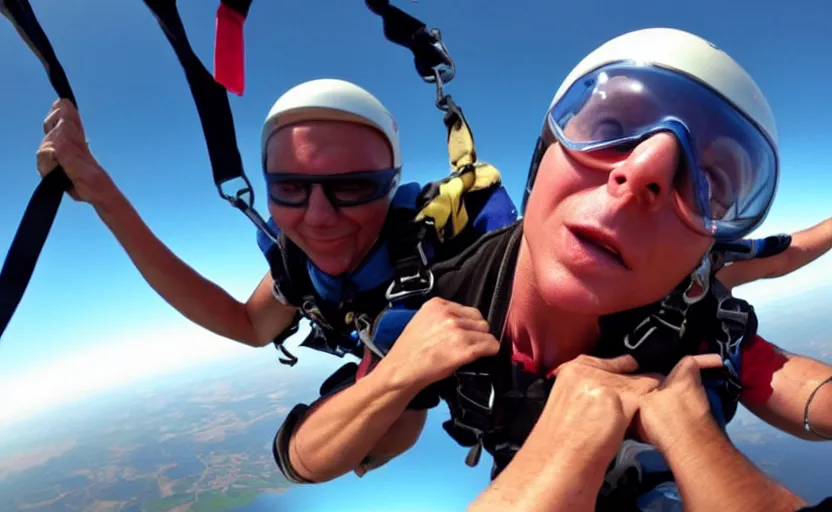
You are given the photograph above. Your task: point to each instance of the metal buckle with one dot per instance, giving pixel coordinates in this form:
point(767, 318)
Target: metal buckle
point(734, 321)
point(702, 277)
point(363, 326)
point(238, 200)
point(425, 276)
point(442, 73)
point(312, 312)
point(633, 346)
point(243, 200)
point(489, 406)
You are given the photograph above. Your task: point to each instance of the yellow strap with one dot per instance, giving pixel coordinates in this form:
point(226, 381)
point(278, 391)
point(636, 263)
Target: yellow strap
point(447, 209)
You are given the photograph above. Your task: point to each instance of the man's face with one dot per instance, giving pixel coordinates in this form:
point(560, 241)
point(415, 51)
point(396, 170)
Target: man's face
point(335, 240)
point(580, 208)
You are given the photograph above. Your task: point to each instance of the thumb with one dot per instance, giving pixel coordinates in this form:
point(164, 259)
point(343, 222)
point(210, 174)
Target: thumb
point(620, 364)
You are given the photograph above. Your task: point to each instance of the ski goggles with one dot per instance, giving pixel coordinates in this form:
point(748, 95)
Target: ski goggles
point(728, 178)
point(342, 190)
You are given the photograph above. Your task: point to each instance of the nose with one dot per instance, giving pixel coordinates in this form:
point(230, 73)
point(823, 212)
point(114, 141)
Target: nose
point(647, 174)
point(319, 211)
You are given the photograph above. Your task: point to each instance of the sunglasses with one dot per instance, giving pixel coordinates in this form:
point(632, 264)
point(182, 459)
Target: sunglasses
point(342, 190)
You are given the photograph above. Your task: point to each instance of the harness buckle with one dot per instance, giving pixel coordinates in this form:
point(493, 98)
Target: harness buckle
point(441, 73)
point(632, 346)
point(445, 71)
point(418, 283)
point(733, 320)
point(363, 326)
point(701, 278)
point(312, 312)
point(243, 200)
point(489, 405)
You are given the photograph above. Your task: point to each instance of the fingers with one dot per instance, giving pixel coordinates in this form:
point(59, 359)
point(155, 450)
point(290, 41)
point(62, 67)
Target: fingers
point(468, 324)
point(691, 366)
point(46, 159)
point(453, 308)
point(466, 312)
point(479, 345)
point(61, 109)
point(619, 365)
point(707, 361)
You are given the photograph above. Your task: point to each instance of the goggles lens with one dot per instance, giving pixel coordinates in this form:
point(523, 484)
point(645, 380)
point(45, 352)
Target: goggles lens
point(727, 184)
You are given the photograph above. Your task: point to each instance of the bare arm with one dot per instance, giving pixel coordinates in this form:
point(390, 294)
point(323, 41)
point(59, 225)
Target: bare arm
point(713, 475)
point(367, 419)
point(556, 476)
point(254, 323)
point(561, 465)
point(806, 246)
point(791, 386)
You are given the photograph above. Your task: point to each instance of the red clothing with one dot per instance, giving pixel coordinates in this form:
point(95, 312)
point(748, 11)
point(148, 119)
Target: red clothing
point(760, 359)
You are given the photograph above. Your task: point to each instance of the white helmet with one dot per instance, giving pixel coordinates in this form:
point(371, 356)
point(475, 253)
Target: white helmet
point(681, 51)
point(330, 99)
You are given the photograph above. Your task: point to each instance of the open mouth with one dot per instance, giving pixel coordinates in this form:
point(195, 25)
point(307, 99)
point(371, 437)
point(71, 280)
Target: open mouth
point(601, 242)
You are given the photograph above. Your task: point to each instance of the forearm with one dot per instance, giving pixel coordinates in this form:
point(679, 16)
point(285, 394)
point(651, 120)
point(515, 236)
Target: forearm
point(555, 470)
point(197, 298)
point(337, 434)
point(805, 247)
point(808, 245)
point(792, 387)
point(713, 475)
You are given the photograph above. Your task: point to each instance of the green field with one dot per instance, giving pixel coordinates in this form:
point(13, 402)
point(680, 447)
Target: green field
point(168, 503)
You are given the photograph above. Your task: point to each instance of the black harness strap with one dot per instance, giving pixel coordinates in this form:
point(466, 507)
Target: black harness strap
point(429, 55)
point(40, 213)
point(215, 115)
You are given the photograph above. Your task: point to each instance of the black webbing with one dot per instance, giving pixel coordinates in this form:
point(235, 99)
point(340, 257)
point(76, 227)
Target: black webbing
point(405, 30)
point(43, 206)
point(214, 110)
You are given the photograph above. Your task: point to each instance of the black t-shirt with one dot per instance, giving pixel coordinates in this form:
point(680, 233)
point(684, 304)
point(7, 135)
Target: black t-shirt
point(823, 506)
point(482, 275)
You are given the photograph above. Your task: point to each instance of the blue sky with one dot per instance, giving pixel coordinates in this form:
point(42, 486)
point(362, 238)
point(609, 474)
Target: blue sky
point(88, 314)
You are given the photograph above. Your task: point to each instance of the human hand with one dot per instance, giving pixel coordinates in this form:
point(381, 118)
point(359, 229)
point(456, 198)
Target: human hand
point(441, 337)
point(64, 144)
point(593, 402)
point(678, 404)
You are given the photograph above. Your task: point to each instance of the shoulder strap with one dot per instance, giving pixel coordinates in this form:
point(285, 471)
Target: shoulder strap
point(214, 115)
point(433, 63)
point(42, 209)
point(475, 414)
point(444, 200)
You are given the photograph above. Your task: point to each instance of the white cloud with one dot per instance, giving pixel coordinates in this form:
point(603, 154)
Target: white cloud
point(126, 359)
point(814, 276)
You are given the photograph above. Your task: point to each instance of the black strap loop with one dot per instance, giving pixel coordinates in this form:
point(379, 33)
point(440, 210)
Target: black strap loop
point(40, 213)
point(429, 54)
point(215, 115)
